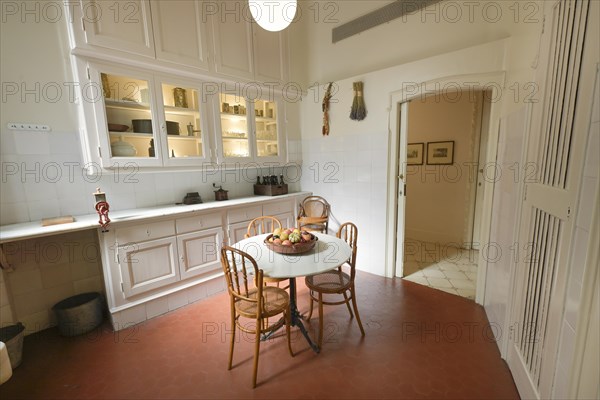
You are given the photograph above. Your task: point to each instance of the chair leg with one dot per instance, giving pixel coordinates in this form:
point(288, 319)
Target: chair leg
point(287, 317)
point(311, 305)
point(348, 304)
point(232, 339)
point(320, 319)
point(256, 351)
point(353, 294)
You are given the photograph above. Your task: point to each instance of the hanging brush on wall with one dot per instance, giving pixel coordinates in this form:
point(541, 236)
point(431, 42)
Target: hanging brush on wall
point(359, 110)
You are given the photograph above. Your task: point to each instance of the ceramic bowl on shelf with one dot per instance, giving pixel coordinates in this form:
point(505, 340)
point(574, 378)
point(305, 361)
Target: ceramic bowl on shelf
point(117, 127)
point(120, 148)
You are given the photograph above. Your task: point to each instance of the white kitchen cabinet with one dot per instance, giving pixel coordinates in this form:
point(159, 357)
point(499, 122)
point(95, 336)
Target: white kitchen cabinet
point(146, 266)
point(199, 252)
point(232, 39)
point(249, 131)
point(124, 25)
point(180, 32)
point(287, 220)
point(238, 220)
point(147, 119)
point(270, 53)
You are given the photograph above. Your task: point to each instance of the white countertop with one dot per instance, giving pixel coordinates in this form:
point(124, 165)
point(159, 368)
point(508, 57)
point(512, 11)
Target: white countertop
point(29, 230)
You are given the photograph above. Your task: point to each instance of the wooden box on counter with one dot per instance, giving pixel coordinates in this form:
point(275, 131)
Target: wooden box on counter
point(270, 190)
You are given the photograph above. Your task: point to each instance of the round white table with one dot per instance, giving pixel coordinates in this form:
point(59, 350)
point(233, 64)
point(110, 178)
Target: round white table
point(329, 253)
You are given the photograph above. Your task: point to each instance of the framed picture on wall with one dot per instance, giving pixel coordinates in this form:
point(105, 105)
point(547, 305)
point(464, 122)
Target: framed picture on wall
point(440, 153)
point(414, 154)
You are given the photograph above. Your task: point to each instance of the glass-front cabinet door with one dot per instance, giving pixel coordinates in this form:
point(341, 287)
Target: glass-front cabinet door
point(127, 131)
point(182, 123)
point(266, 128)
point(249, 130)
point(149, 121)
point(235, 131)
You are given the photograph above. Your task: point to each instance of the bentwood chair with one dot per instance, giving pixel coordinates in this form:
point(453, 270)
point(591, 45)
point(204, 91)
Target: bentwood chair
point(337, 281)
point(256, 303)
point(260, 225)
point(313, 214)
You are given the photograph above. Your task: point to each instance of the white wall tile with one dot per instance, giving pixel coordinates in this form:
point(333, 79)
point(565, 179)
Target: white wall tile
point(6, 316)
point(93, 284)
point(28, 304)
point(27, 281)
point(56, 294)
point(32, 142)
point(12, 213)
point(43, 209)
point(36, 322)
point(55, 275)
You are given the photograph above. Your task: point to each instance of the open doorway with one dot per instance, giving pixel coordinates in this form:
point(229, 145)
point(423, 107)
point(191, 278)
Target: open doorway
point(446, 143)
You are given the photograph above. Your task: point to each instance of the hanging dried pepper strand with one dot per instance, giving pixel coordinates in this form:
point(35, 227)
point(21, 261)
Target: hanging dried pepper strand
point(326, 99)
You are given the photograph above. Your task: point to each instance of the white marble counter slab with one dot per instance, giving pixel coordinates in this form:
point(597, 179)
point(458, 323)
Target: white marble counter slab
point(29, 230)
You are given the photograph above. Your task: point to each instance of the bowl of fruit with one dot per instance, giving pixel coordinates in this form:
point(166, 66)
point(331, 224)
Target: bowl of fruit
point(290, 241)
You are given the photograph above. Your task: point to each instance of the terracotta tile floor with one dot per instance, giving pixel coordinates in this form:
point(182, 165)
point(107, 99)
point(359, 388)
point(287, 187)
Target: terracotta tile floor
point(449, 269)
point(419, 343)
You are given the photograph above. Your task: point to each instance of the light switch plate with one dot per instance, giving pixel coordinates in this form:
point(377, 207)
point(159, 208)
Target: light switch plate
point(19, 126)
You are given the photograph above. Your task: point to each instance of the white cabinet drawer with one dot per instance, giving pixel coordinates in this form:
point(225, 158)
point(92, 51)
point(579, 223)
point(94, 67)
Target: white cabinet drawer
point(150, 231)
point(244, 214)
point(198, 222)
point(279, 207)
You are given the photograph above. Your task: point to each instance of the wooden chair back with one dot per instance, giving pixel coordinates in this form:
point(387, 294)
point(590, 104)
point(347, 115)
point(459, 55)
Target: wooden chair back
point(349, 233)
point(239, 267)
point(314, 213)
point(260, 225)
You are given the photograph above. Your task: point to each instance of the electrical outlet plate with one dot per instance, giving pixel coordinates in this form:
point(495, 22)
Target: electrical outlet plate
point(19, 126)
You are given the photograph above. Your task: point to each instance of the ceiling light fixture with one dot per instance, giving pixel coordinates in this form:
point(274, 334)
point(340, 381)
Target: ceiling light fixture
point(273, 15)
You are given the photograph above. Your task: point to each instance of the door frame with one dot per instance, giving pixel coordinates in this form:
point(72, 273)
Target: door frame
point(493, 82)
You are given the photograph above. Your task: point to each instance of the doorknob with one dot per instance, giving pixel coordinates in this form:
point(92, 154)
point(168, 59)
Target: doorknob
point(401, 176)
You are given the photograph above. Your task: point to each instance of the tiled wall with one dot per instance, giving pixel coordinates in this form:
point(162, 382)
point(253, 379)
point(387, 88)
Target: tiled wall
point(45, 271)
point(579, 251)
point(42, 177)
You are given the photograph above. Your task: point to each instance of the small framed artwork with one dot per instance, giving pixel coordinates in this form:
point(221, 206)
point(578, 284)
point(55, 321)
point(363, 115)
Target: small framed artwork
point(414, 154)
point(440, 153)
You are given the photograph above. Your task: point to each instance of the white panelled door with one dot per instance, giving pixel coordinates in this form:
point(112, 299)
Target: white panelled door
point(556, 150)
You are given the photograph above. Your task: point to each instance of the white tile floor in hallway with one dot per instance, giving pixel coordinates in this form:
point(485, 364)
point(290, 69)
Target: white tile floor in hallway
point(446, 268)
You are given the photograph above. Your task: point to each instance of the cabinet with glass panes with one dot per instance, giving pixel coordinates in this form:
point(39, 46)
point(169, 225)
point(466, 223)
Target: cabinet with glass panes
point(150, 120)
point(249, 130)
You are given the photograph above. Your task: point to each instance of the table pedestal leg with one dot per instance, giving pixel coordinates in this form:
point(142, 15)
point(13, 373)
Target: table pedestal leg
point(296, 317)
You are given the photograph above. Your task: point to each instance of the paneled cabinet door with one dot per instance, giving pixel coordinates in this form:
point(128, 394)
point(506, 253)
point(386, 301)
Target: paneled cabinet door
point(232, 40)
point(180, 32)
point(199, 252)
point(124, 25)
point(148, 265)
point(287, 220)
point(237, 231)
point(269, 51)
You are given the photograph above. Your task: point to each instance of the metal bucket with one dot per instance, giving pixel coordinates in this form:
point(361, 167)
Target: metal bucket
point(12, 336)
point(79, 314)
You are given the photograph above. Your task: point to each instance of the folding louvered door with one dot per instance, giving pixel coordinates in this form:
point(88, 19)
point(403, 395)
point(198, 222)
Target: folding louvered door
point(554, 166)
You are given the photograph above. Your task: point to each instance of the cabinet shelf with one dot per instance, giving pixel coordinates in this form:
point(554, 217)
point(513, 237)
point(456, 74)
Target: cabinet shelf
point(126, 105)
point(132, 134)
point(234, 138)
point(180, 111)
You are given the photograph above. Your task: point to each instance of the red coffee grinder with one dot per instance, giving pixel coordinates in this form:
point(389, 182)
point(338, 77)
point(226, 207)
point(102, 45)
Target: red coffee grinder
point(102, 209)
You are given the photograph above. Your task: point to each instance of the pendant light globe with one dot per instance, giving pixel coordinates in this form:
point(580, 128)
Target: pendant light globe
point(273, 15)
